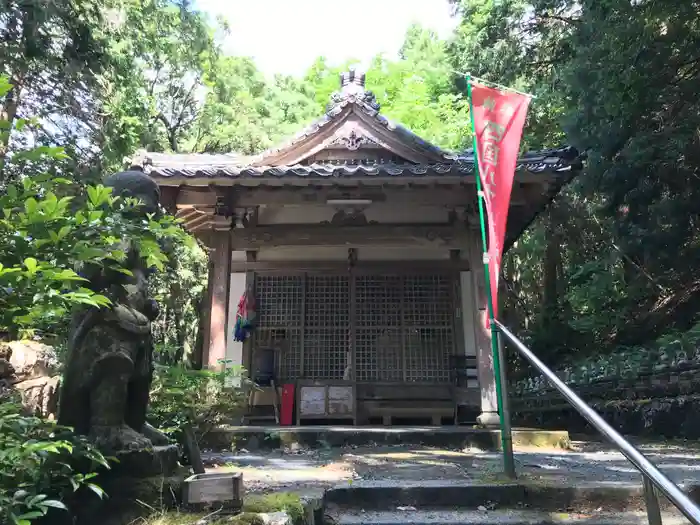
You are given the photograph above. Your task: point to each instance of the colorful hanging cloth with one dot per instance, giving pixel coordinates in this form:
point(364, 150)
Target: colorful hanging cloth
point(245, 315)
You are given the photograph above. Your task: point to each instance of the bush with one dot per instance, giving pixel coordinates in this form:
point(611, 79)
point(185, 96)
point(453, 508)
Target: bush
point(54, 230)
point(203, 399)
point(41, 464)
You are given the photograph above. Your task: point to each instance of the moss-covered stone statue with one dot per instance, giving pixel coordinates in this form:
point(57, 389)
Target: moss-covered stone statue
point(110, 361)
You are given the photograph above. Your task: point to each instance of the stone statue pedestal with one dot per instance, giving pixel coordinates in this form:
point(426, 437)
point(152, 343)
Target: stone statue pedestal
point(139, 480)
point(138, 464)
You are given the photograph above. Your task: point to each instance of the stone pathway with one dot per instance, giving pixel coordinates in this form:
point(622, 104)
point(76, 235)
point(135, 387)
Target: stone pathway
point(317, 470)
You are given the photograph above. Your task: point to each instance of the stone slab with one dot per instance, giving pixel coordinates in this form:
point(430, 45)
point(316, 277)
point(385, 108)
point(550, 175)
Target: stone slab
point(502, 517)
point(267, 438)
point(125, 501)
point(583, 497)
point(158, 461)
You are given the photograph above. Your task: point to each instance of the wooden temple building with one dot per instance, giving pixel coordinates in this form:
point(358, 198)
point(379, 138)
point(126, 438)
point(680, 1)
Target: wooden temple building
point(359, 242)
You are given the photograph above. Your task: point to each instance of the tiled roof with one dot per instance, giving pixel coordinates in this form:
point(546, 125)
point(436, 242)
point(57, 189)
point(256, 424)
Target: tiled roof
point(163, 166)
point(425, 159)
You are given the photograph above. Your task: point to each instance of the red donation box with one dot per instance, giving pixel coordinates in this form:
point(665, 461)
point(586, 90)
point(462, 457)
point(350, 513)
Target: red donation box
point(287, 410)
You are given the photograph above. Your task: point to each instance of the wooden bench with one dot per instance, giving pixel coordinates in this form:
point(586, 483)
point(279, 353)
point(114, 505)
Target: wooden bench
point(407, 400)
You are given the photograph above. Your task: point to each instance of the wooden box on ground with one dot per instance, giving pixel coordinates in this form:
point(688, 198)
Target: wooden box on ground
point(214, 489)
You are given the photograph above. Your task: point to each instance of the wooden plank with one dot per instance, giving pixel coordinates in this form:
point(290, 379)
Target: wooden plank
point(409, 405)
point(382, 267)
point(436, 195)
point(401, 391)
point(250, 288)
point(205, 318)
point(387, 235)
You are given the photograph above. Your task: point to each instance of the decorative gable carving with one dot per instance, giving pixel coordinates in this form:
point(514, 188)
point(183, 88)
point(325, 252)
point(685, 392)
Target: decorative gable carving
point(353, 141)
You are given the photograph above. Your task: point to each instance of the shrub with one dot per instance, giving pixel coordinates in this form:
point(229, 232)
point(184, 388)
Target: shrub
point(41, 464)
point(203, 399)
point(54, 229)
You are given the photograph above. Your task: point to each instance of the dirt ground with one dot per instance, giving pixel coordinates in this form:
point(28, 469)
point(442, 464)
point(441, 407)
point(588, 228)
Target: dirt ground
point(316, 470)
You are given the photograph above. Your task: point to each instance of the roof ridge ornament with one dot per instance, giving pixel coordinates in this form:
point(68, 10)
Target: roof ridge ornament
point(352, 80)
point(352, 90)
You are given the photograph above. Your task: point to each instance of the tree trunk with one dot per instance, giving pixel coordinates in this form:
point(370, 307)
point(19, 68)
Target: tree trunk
point(8, 114)
point(551, 266)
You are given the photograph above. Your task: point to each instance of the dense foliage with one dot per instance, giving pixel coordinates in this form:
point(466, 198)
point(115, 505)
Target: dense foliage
point(41, 465)
point(179, 291)
point(52, 229)
point(612, 261)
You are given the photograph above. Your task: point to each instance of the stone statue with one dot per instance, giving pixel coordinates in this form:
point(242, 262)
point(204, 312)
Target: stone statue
point(110, 361)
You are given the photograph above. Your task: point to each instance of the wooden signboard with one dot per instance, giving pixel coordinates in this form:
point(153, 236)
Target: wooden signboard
point(312, 401)
point(325, 400)
point(341, 400)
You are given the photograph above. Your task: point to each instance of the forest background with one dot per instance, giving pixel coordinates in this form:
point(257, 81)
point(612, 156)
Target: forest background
point(612, 262)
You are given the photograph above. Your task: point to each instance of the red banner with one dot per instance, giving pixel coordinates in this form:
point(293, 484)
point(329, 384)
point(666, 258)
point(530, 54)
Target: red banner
point(499, 118)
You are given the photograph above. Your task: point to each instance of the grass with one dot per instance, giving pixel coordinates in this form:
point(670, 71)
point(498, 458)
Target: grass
point(252, 505)
point(275, 502)
point(190, 518)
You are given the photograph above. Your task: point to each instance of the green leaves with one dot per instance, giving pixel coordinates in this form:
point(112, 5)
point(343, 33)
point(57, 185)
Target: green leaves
point(201, 398)
point(31, 264)
point(51, 229)
point(41, 464)
point(97, 196)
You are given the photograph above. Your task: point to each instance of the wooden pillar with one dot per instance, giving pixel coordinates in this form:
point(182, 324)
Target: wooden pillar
point(219, 279)
point(484, 357)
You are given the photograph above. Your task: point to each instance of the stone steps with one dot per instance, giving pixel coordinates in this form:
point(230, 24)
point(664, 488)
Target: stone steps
point(494, 517)
point(440, 502)
point(458, 438)
point(383, 494)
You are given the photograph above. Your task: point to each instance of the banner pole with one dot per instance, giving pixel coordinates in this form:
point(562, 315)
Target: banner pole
point(496, 349)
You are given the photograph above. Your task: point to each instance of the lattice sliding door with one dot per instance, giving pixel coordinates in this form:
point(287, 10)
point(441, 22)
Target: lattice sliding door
point(378, 334)
point(279, 302)
point(326, 326)
point(405, 328)
point(390, 328)
point(428, 320)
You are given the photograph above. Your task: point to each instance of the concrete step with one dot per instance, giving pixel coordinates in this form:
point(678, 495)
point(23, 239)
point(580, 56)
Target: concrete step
point(584, 497)
point(457, 437)
point(493, 517)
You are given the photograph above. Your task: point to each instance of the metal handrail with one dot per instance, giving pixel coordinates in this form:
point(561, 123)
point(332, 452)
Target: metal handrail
point(653, 477)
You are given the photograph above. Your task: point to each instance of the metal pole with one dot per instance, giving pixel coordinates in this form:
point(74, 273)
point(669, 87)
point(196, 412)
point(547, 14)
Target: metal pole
point(507, 441)
point(662, 483)
point(652, 502)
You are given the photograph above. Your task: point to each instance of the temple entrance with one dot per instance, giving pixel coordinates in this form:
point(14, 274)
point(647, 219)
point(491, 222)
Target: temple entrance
point(358, 326)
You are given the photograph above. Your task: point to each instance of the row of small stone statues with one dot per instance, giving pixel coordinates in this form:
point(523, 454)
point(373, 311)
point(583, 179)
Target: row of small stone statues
point(675, 356)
